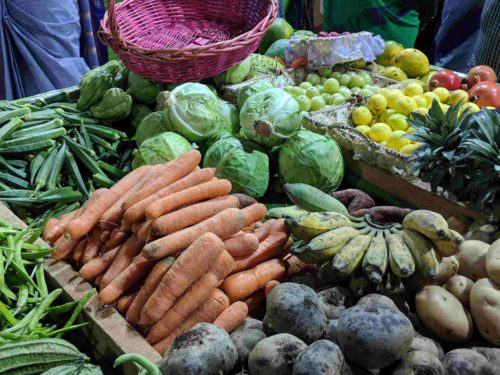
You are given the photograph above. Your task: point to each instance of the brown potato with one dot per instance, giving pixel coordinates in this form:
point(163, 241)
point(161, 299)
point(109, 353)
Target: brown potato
point(460, 287)
point(485, 309)
point(493, 262)
point(443, 314)
point(447, 268)
point(472, 259)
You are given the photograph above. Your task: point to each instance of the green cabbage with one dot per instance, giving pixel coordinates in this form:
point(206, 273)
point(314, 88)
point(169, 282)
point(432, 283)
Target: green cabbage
point(243, 163)
point(270, 117)
point(234, 74)
point(152, 125)
point(312, 159)
point(160, 149)
point(194, 111)
point(138, 113)
point(249, 90)
point(229, 117)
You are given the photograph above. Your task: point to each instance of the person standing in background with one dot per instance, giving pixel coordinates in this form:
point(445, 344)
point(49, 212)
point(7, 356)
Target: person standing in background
point(397, 20)
point(488, 44)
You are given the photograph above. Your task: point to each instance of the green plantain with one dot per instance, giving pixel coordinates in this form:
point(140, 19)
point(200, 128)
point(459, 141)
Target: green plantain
point(326, 245)
point(423, 252)
point(430, 224)
point(312, 224)
point(375, 261)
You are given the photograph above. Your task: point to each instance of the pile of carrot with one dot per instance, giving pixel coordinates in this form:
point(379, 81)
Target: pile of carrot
point(169, 247)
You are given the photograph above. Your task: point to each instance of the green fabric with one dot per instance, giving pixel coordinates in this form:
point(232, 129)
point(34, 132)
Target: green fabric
point(392, 19)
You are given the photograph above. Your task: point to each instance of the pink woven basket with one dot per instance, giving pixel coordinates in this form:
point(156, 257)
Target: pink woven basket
point(185, 40)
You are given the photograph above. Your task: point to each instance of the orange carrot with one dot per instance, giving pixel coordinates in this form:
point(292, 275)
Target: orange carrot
point(191, 215)
point(63, 248)
point(224, 225)
point(191, 264)
point(136, 213)
point(198, 193)
point(207, 312)
point(116, 238)
point(296, 266)
point(124, 302)
point(262, 232)
point(183, 308)
point(144, 232)
point(223, 266)
point(241, 245)
point(139, 267)
point(93, 246)
point(254, 213)
point(255, 300)
point(152, 281)
point(232, 317)
point(98, 265)
point(97, 280)
point(78, 250)
point(242, 284)
point(52, 234)
point(49, 226)
point(168, 174)
point(126, 252)
point(270, 285)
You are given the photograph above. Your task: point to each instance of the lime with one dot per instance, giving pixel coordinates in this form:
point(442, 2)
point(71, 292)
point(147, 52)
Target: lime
point(420, 100)
point(331, 85)
point(397, 121)
point(312, 92)
point(305, 85)
point(345, 80)
point(429, 97)
point(458, 96)
point(393, 96)
point(413, 89)
point(313, 79)
point(385, 115)
point(363, 129)
point(409, 149)
point(325, 71)
point(396, 140)
point(345, 92)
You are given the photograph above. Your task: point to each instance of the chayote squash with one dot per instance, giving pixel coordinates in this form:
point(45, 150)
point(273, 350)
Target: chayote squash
point(121, 78)
point(142, 89)
point(138, 113)
point(116, 104)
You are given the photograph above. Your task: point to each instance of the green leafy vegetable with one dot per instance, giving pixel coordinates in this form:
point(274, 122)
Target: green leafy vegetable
point(160, 149)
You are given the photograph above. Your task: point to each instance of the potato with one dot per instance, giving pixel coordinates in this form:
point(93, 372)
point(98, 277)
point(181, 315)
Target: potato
point(460, 287)
point(493, 262)
point(443, 314)
point(331, 330)
point(295, 309)
point(485, 309)
point(377, 299)
point(250, 323)
point(419, 362)
point(426, 344)
point(466, 362)
point(448, 267)
point(335, 300)
point(245, 340)
point(491, 354)
point(472, 259)
point(322, 357)
point(275, 355)
point(205, 349)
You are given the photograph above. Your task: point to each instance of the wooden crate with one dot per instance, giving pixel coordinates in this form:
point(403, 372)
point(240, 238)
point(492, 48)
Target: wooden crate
point(107, 331)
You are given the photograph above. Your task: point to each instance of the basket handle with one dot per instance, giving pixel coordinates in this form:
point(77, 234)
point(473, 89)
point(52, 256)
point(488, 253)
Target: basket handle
point(113, 28)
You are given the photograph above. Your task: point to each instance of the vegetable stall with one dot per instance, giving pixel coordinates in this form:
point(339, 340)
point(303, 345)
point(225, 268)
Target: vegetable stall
point(328, 205)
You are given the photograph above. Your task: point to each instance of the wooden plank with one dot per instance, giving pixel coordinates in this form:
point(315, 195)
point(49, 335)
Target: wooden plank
point(416, 193)
point(107, 331)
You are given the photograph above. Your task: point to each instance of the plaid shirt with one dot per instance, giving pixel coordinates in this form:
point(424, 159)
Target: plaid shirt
point(488, 44)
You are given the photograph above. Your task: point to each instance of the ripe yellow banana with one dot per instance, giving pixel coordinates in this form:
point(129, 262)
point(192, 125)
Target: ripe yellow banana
point(375, 261)
point(312, 224)
point(449, 246)
point(326, 245)
point(423, 252)
point(400, 257)
point(349, 258)
point(428, 223)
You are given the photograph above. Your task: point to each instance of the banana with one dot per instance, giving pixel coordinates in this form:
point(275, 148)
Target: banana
point(326, 245)
point(359, 284)
point(450, 246)
point(289, 211)
point(423, 252)
point(351, 255)
point(312, 224)
point(400, 257)
point(428, 223)
point(375, 261)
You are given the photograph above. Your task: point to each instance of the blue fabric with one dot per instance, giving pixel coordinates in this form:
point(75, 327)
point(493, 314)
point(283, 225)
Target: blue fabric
point(40, 48)
point(91, 13)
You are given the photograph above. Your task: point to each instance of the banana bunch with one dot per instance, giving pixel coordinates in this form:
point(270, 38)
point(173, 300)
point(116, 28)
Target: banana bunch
point(364, 250)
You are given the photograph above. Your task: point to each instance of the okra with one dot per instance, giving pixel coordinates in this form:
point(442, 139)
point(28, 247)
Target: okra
point(74, 172)
point(66, 209)
point(67, 107)
point(9, 168)
point(82, 155)
point(76, 119)
point(102, 180)
point(28, 147)
point(35, 165)
point(35, 137)
point(85, 135)
point(116, 173)
point(23, 132)
point(63, 195)
point(106, 132)
point(16, 193)
point(17, 163)
point(46, 114)
point(9, 128)
point(57, 163)
point(13, 180)
point(12, 114)
point(43, 172)
point(101, 142)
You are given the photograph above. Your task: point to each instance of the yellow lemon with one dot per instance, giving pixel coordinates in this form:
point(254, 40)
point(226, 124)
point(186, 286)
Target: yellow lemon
point(458, 96)
point(384, 91)
point(397, 121)
point(409, 149)
point(363, 129)
point(361, 116)
point(430, 96)
point(469, 107)
point(385, 115)
point(396, 140)
point(405, 105)
point(374, 120)
point(443, 94)
point(379, 132)
point(395, 73)
point(421, 111)
point(393, 96)
point(383, 143)
point(420, 100)
point(377, 104)
point(413, 89)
